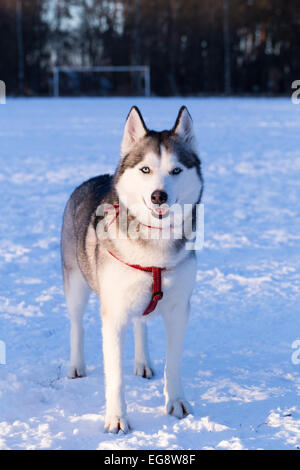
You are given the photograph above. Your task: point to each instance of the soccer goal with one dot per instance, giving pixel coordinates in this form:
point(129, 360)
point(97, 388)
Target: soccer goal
point(103, 82)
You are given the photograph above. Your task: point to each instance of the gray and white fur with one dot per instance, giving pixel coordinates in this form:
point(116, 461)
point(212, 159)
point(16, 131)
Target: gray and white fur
point(156, 169)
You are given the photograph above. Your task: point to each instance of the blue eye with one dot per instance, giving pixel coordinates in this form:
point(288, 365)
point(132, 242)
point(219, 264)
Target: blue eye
point(145, 169)
point(176, 171)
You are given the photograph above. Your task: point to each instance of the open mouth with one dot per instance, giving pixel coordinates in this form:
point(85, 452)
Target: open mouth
point(158, 212)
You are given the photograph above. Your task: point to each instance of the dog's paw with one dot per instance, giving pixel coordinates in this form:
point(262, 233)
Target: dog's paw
point(114, 424)
point(76, 372)
point(179, 408)
point(144, 370)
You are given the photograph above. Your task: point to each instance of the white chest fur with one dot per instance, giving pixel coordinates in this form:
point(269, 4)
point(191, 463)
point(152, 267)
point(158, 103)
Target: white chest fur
point(126, 291)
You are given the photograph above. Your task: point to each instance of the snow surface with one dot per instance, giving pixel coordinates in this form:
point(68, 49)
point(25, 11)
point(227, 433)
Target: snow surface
point(237, 366)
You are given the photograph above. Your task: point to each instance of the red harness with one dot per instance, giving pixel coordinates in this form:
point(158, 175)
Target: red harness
point(157, 293)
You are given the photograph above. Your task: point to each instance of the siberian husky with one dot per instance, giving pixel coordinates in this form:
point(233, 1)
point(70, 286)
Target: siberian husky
point(136, 272)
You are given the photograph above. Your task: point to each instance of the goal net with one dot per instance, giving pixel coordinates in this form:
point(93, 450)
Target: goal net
point(102, 81)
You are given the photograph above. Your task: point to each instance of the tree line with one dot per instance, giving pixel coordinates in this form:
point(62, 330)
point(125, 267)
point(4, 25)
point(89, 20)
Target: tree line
point(191, 46)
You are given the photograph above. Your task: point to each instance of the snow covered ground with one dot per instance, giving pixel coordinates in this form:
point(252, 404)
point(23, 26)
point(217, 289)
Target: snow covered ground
point(237, 366)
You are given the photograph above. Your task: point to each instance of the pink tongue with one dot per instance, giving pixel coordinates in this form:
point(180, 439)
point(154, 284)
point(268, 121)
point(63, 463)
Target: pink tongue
point(161, 211)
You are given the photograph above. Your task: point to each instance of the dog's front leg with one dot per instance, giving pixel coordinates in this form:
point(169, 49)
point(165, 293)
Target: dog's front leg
point(175, 321)
point(113, 340)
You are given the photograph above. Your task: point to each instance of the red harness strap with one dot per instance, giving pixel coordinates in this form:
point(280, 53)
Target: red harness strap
point(157, 293)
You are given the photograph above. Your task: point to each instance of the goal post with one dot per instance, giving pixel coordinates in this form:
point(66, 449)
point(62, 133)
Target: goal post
point(144, 69)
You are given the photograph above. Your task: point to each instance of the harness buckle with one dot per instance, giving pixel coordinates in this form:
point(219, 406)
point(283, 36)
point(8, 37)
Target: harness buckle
point(160, 295)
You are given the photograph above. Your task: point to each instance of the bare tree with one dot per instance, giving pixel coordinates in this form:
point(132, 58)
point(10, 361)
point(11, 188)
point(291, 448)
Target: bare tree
point(227, 65)
point(20, 47)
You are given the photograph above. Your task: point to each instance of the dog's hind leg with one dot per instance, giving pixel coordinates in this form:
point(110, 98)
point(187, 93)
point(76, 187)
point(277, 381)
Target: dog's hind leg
point(142, 363)
point(77, 294)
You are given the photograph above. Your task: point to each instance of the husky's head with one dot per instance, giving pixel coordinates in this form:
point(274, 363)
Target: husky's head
point(158, 170)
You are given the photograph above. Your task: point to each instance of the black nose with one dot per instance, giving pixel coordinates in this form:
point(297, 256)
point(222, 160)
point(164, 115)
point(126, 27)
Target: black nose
point(159, 197)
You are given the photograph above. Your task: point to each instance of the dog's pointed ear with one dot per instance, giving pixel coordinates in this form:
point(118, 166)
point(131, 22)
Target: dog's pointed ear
point(183, 126)
point(135, 129)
